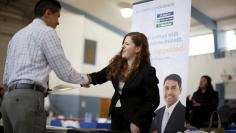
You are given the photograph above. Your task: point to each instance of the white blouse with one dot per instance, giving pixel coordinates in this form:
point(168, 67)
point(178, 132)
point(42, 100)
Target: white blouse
point(121, 85)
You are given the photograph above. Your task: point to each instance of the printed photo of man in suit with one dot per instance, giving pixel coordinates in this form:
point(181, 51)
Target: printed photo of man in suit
point(171, 117)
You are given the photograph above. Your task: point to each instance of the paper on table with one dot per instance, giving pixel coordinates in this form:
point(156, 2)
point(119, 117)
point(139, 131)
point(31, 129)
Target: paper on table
point(62, 88)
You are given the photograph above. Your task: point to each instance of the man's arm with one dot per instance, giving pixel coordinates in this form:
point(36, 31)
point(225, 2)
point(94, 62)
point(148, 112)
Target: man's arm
point(55, 56)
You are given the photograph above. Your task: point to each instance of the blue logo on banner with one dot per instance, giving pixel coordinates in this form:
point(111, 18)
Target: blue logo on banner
point(164, 19)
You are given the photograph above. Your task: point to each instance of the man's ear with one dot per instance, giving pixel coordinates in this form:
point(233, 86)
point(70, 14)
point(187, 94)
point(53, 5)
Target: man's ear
point(47, 12)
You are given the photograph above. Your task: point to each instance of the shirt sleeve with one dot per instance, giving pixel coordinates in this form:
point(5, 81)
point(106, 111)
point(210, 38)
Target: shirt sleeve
point(55, 56)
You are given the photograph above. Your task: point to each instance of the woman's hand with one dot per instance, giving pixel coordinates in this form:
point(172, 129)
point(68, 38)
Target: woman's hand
point(155, 131)
point(195, 103)
point(134, 128)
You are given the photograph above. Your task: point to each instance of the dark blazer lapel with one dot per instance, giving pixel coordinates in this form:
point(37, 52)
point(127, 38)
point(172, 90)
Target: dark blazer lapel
point(173, 116)
point(129, 81)
point(116, 84)
point(160, 120)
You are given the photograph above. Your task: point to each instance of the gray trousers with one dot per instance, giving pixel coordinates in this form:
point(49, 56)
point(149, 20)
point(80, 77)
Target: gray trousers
point(23, 112)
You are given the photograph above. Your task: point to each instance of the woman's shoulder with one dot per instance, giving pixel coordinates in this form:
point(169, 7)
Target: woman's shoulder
point(147, 67)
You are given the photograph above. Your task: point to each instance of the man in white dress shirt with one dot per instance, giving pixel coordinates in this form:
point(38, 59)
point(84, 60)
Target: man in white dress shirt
point(32, 53)
point(170, 118)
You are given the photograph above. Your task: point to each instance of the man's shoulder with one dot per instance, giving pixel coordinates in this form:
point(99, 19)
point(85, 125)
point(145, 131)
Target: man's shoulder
point(33, 28)
point(180, 104)
point(44, 29)
point(160, 110)
point(38, 27)
point(181, 107)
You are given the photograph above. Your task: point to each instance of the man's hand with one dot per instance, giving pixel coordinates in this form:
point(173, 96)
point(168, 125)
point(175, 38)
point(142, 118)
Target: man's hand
point(134, 128)
point(3, 88)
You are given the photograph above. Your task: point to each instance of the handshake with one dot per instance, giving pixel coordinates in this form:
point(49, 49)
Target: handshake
point(87, 85)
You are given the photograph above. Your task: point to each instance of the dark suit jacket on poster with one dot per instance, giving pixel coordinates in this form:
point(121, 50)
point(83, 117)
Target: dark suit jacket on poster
point(175, 122)
point(140, 94)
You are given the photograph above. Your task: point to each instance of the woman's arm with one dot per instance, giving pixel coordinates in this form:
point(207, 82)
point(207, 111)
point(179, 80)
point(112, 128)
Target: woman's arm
point(99, 77)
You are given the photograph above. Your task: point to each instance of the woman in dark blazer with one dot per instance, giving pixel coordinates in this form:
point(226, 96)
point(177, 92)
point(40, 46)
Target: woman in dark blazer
point(136, 93)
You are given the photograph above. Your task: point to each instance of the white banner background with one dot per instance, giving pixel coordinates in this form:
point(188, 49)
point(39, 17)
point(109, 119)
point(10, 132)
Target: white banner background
point(166, 23)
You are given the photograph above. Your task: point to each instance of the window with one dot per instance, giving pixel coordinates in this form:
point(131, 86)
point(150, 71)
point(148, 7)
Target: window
point(230, 40)
point(89, 51)
point(203, 44)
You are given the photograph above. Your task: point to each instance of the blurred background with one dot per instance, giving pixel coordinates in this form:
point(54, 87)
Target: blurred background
point(91, 33)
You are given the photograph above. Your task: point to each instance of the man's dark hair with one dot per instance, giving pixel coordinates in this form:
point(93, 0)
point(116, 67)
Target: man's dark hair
point(174, 77)
point(42, 5)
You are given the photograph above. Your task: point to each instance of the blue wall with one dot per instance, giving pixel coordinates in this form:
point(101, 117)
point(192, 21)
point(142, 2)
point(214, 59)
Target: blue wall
point(70, 105)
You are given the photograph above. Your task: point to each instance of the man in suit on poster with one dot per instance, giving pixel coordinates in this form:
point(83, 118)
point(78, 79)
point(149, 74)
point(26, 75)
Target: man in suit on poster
point(171, 117)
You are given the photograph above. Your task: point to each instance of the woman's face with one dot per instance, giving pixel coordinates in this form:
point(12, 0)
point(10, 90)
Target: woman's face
point(129, 50)
point(203, 82)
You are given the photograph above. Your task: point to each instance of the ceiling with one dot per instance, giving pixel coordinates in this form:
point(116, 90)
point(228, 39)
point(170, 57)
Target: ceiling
point(216, 9)
point(108, 10)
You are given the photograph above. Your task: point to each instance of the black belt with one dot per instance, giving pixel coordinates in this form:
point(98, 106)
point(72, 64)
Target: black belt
point(27, 86)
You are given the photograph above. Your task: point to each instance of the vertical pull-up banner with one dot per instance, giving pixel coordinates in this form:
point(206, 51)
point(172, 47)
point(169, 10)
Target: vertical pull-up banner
point(166, 23)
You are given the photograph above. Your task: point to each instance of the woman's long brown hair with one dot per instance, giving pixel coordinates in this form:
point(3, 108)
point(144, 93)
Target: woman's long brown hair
point(118, 65)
